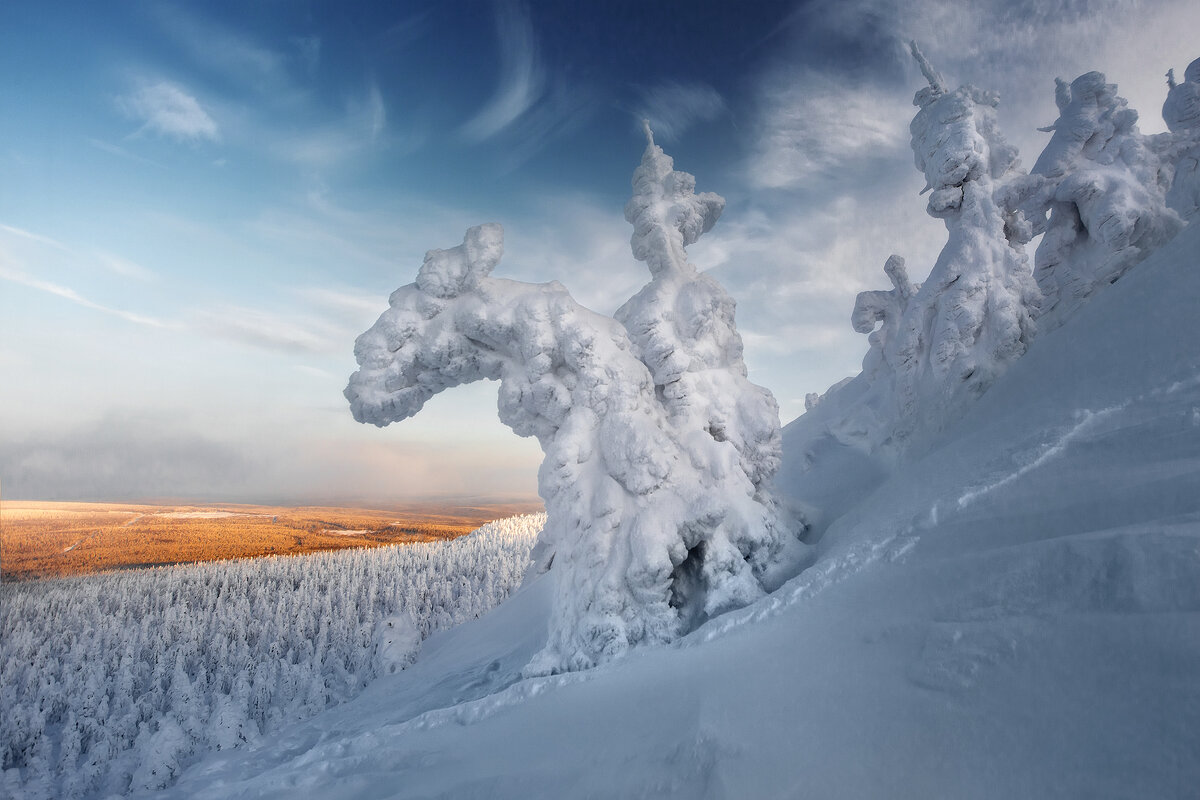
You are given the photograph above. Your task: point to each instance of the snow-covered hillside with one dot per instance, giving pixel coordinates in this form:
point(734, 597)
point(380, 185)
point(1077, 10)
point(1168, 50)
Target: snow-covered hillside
point(1014, 614)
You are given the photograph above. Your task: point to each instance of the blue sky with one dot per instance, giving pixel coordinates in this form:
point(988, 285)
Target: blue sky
point(201, 205)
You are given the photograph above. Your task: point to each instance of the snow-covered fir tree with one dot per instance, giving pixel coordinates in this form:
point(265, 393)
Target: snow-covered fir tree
point(1104, 188)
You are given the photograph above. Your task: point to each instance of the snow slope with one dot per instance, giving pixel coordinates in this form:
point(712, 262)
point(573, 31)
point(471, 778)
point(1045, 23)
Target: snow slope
point(1016, 614)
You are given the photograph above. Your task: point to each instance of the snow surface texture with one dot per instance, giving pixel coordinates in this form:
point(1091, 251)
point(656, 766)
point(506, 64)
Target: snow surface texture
point(1015, 614)
point(658, 451)
point(117, 682)
point(1104, 188)
point(1181, 111)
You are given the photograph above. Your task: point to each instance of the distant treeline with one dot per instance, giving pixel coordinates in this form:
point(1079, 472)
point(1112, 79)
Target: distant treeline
point(42, 540)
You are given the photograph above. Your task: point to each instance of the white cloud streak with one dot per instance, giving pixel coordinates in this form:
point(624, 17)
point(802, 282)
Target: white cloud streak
point(287, 333)
point(19, 277)
point(35, 237)
point(812, 125)
point(673, 108)
point(124, 267)
point(121, 152)
point(166, 109)
point(522, 78)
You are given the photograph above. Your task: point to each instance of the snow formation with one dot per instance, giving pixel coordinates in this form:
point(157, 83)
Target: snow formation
point(941, 343)
point(658, 451)
point(1104, 188)
point(1181, 111)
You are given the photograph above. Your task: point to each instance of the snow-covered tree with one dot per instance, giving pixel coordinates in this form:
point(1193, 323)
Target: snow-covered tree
point(1104, 188)
point(658, 451)
point(1181, 112)
point(943, 342)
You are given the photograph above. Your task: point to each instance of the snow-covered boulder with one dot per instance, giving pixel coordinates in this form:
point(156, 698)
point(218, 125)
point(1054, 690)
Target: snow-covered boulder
point(658, 452)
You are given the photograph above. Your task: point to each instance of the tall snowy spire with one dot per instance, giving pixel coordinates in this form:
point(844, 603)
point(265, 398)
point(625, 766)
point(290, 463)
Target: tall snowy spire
point(666, 213)
point(937, 84)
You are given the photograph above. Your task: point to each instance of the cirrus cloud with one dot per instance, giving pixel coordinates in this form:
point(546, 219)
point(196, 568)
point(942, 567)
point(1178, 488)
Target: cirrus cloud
point(166, 109)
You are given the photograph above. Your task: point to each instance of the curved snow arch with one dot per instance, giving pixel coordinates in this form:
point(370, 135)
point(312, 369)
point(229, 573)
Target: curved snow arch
point(659, 453)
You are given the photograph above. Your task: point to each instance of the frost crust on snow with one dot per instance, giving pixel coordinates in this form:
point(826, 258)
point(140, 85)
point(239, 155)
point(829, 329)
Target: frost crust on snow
point(659, 452)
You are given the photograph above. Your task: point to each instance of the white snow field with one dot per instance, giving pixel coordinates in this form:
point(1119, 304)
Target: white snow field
point(1015, 613)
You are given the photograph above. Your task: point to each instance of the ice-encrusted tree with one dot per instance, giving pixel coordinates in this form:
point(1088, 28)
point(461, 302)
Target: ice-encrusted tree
point(1181, 112)
point(942, 343)
point(682, 322)
point(658, 451)
point(1104, 188)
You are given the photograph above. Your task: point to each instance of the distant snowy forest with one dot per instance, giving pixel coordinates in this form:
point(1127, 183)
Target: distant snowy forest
point(116, 682)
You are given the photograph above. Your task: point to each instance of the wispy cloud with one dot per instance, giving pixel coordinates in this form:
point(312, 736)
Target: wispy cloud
point(17, 276)
point(581, 242)
point(812, 125)
point(121, 152)
point(239, 59)
point(672, 108)
point(265, 330)
point(316, 372)
point(521, 76)
point(34, 237)
point(360, 129)
point(124, 267)
point(343, 302)
point(166, 109)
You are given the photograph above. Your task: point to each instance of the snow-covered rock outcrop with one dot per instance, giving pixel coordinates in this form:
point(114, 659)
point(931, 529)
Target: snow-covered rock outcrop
point(1104, 188)
point(659, 452)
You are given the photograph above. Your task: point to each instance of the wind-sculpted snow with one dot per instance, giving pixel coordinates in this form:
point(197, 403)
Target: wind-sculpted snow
point(1104, 188)
point(658, 451)
point(114, 683)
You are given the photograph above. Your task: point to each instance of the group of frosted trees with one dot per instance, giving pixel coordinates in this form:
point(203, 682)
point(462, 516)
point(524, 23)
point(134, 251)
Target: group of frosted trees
point(660, 454)
point(1102, 196)
point(116, 682)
